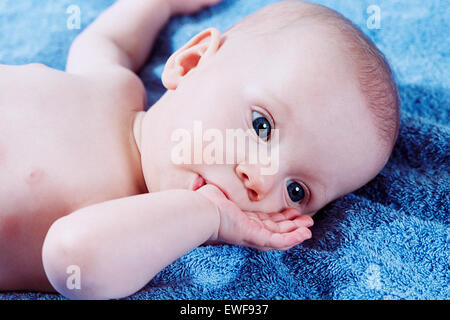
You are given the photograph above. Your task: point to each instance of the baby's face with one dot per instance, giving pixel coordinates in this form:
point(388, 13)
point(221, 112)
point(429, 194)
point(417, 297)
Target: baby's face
point(306, 99)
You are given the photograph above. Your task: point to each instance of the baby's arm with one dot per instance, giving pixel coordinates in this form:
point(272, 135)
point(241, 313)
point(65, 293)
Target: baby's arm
point(122, 244)
point(119, 245)
point(124, 34)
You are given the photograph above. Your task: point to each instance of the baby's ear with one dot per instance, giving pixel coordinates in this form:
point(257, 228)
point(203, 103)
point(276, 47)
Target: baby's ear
point(192, 54)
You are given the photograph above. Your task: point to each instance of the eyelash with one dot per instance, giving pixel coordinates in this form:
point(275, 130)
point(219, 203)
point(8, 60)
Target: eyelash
point(307, 194)
point(266, 115)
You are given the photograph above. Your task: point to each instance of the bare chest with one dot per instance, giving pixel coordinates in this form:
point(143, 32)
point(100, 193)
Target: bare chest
point(59, 151)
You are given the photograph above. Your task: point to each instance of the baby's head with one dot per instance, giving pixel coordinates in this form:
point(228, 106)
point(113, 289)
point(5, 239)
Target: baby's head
point(320, 93)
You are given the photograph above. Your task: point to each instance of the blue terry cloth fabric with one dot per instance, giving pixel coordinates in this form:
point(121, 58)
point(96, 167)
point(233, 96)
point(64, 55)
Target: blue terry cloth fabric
point(387, 240)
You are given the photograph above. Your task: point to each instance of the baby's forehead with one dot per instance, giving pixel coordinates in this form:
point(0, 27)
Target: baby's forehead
point(288, 15)
point(312, 46)
point(296, 24)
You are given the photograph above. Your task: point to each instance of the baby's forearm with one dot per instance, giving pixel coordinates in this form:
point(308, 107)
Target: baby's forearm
point(132, 25)
point(120, 245)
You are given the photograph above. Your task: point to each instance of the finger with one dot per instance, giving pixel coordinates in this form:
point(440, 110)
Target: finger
point(305, 234)
point(211, 192)
point(288, 225)
point(304, 221)
point(291, 225)
point(287, 214)
point(266, 238)
point(284, 215)
point(275, 227)
point(282, 240)
point(209, 188)
point(280, 227)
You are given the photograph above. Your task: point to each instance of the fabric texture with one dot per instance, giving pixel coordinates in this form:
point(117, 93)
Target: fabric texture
point(387, 240)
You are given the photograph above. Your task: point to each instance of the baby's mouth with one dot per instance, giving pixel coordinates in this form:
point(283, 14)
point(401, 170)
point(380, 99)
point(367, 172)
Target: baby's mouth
point(200, 182)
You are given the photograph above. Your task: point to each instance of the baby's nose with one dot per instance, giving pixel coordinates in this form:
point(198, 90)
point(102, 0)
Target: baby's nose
point(256, 184)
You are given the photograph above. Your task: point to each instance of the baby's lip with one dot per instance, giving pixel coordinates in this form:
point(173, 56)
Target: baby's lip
point(198, 183)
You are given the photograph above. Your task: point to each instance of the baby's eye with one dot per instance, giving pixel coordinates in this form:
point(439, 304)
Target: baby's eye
point(295, 191)
point(261, 125)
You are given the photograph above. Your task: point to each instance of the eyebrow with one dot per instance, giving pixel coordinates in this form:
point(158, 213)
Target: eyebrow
point(279, 102)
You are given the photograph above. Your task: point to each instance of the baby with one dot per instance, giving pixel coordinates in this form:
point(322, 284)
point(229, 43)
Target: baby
point(90, 188)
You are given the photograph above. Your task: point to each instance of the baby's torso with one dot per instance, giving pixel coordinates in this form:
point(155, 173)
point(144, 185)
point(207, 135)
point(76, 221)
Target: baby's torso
point(65, 142)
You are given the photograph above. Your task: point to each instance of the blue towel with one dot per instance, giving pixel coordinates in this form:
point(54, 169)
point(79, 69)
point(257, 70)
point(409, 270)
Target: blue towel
point(387, 240)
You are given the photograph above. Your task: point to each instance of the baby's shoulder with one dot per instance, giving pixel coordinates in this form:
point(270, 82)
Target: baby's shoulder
point(121, 86)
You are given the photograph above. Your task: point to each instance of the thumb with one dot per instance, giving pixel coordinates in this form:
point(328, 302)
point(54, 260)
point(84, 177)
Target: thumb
point(212, 193)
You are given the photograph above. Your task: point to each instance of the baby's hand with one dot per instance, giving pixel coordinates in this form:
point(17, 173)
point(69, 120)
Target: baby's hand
point(274, 231)
point(189, 6)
